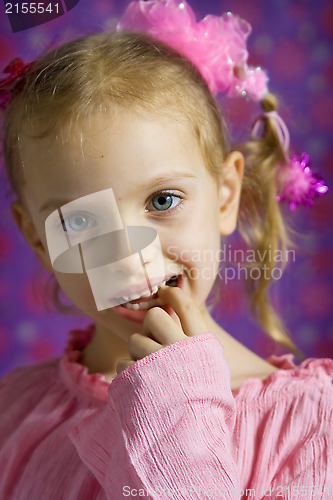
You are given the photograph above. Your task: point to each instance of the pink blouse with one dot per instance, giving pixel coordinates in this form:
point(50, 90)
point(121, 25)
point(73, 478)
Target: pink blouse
point(167, 427)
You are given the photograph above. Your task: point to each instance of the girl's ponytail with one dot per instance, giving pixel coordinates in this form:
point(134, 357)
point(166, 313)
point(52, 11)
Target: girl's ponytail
point(261, 222)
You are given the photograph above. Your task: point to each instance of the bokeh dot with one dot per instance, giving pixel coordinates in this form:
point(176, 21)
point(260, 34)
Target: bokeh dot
point(321, 53)
point(26, 332)
point(263, 44)
point(306, 33)
point(326, 18)
point(316, 146)
point(317, 84)
point(321, 112)
point(308, 334)
point(289, 60)
point(317, 300)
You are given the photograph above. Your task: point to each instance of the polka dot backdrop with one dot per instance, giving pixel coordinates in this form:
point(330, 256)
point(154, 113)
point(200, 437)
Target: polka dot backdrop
point(292, 40)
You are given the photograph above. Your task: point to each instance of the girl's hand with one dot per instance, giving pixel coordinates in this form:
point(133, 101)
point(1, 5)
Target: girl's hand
point(160, 330)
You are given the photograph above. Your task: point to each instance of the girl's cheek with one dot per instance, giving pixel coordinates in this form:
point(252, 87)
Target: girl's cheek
point(77, 288)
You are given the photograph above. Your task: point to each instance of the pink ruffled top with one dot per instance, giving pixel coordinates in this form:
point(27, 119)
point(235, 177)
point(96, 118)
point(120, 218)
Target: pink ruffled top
point(167, 427)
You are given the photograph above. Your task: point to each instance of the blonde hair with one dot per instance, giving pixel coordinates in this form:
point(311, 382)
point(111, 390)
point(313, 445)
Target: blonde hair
point(97, 73)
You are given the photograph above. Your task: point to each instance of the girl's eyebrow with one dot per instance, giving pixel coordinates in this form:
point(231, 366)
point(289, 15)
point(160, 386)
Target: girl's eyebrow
point(157, 181)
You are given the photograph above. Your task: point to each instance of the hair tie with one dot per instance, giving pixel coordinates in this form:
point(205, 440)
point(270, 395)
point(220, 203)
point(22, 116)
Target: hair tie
point(296, 183)
point(280, 128)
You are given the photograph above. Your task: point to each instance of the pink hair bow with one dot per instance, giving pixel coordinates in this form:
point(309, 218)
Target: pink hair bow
point(296, 183)
point(215, 45)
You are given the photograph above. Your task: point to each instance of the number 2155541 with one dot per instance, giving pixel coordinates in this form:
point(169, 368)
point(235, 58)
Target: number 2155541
point(32, 8)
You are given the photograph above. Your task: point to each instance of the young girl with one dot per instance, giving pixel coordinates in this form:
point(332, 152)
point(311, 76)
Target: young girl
point(124, 175)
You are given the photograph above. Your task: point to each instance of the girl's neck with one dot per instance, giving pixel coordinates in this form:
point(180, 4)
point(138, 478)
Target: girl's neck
point(243, 362)
point(103, 352)
point(107, 348)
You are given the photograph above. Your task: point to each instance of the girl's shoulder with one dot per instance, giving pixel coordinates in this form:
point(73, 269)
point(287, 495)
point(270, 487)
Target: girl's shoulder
point(29, 378)
point(23, 390)
point(29, 372)
point(313, 377)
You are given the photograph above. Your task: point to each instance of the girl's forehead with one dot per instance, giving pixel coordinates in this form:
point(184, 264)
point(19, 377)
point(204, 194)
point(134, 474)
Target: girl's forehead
point(121, 152)
point(98, 131)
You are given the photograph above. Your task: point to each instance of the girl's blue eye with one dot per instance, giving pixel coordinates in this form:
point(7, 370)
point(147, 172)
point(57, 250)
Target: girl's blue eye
point(164, 201)
point(77, 223)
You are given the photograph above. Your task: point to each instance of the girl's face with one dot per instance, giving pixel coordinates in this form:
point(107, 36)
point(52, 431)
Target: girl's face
point(159, 180)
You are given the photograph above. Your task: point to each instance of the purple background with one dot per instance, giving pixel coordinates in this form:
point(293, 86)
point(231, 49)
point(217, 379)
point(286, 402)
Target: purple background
point(292, 40)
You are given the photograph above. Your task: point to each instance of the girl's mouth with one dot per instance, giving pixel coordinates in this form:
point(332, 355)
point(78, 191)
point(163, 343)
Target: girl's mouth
point(136, 309)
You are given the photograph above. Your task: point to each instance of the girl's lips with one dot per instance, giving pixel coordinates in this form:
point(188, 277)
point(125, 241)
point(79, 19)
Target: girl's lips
point(141, 288)
point(135, 315)
point(139, 315)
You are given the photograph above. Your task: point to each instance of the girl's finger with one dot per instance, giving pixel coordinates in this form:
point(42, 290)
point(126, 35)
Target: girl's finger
point(190, 316)
point(123, 364)
point(140, 346)
point(159, 325)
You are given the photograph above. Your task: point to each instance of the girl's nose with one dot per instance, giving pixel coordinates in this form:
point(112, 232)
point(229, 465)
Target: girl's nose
point(125, 252)
point(105, 249)
point(134, 261)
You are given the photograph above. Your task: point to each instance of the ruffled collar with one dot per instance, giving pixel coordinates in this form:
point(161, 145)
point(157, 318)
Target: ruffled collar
point(74, 375)
point(76, 378)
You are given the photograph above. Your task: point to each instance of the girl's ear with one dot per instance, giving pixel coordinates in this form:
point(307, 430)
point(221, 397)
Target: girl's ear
point(29, 231)
point(230, 191)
